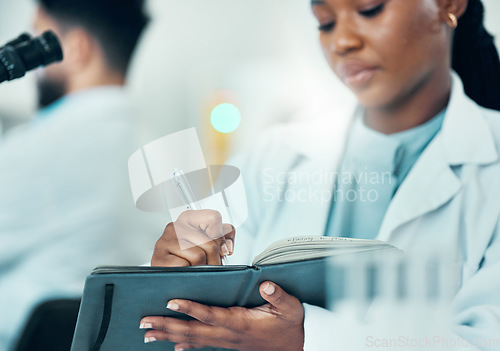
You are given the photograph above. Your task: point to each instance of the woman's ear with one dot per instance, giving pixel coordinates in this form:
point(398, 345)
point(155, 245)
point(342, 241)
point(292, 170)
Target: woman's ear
point(452, 7)
point(460, 6)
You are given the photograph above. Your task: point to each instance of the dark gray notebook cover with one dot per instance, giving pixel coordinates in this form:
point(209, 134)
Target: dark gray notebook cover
point(115, 299)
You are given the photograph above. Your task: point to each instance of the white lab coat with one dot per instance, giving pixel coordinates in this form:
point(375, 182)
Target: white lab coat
point(65, 203)
point(450, 199)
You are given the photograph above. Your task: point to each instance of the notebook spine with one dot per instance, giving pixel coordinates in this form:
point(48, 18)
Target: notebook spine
point(249, 285)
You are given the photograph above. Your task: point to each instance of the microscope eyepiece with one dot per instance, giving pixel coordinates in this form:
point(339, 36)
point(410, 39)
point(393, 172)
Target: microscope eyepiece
point(26, 53)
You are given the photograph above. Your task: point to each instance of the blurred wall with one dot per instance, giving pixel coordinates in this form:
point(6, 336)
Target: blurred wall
point(263, 55)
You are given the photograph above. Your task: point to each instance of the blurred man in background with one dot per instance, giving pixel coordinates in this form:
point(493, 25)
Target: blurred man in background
point(65, 203)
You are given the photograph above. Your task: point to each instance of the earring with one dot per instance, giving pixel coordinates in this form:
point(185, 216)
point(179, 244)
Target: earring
point(453, 20)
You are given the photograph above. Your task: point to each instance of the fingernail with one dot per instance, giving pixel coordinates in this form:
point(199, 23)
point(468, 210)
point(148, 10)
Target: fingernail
point(172, 306)
point(230, 246)
point(269, 289)
point(150, 339)
point(224, 249)
point(146, 326)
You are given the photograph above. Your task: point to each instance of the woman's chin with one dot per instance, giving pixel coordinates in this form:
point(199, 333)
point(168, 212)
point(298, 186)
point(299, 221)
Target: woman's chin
point(373, 100)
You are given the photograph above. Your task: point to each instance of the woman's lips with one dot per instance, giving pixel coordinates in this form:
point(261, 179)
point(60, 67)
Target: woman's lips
point(357, 75)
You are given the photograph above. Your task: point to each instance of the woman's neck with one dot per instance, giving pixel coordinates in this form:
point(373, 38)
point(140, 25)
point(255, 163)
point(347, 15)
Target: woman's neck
point(429, 98)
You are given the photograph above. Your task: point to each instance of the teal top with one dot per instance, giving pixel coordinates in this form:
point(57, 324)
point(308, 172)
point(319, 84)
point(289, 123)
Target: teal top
point(372, 169)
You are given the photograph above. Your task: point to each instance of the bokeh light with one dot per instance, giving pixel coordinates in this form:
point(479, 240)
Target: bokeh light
point(225, 118)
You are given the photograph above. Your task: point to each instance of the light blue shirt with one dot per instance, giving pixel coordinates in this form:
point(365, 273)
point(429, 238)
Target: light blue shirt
point(372, 169)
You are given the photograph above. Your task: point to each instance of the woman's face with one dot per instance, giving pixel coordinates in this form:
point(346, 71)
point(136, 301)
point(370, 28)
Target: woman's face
point(383, 50)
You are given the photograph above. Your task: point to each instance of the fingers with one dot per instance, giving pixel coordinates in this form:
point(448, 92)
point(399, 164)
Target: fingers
point(169, 261)
point(207, 221)
point(160, 335)
point(184, 332)
point(196, 238)
point(228, 318)
point(213, 251)
point(183, 346)
point(185, 329)
point(206, 254)
point(229, 236)
point(283, 303)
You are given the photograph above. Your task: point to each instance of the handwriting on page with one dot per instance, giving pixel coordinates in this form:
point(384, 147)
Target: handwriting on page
point(298, 240)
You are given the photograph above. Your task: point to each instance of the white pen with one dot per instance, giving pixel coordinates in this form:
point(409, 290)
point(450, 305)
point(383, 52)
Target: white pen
point(185, 193)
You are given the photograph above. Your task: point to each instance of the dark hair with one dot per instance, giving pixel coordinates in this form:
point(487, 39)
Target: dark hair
point(475, 57)
point(116, 24)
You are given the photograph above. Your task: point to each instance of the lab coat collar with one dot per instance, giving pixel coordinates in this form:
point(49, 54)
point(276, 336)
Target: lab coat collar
point(430, 184)
point(465, 138)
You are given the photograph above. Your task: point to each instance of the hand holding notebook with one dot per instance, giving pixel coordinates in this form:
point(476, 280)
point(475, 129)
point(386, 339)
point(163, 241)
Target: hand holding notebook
point(229, 303)
point(276, 325)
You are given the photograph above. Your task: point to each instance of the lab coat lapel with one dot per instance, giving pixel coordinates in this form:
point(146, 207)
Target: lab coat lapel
point(429, 185)
point(464, 138)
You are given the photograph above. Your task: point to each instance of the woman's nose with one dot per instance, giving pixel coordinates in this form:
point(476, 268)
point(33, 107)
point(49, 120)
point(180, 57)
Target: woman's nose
point(345, 38)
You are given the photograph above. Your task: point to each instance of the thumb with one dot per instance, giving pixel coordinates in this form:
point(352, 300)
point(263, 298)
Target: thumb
point(229, 234)
point(277, 297)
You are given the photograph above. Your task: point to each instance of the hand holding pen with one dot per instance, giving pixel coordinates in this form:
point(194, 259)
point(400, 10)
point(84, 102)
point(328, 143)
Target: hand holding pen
point(208, 221)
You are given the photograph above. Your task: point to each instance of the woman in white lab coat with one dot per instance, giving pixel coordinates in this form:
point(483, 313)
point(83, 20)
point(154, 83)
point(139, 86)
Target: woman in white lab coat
point(440, 147)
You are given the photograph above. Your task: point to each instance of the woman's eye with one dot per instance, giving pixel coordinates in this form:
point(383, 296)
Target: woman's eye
point(326, 27)
point(372, 12)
